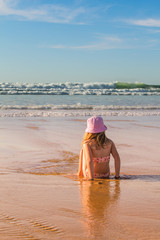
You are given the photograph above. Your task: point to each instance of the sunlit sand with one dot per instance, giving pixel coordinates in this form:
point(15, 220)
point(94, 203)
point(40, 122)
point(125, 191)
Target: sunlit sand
point(42, 198)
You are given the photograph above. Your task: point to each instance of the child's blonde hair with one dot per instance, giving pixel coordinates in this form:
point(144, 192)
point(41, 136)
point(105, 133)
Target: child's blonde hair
point(100, 138)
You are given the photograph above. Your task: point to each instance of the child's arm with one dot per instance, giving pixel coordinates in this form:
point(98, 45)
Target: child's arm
point(117, 162)
point(89, 160)
point(80, 171)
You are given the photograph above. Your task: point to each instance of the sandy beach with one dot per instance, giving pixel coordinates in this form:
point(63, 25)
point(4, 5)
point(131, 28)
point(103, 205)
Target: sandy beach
point(41, 198)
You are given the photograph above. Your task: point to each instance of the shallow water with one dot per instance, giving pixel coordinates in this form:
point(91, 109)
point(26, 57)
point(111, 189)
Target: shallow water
point(42, 198)
point(78, 105)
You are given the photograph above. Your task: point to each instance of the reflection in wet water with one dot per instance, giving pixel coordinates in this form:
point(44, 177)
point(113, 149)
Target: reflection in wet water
point(100, 201)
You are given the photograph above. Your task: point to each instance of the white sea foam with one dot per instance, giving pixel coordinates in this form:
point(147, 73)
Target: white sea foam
point(75, 89)
point(78, 107)
point(77, 113)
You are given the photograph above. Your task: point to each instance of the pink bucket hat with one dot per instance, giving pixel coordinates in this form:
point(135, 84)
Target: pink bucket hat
point(95, 124)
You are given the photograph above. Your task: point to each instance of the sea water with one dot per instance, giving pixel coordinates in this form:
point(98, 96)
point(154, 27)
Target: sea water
point(78, 100)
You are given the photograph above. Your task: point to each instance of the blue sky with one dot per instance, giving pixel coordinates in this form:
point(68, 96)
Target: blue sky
point(80, 41)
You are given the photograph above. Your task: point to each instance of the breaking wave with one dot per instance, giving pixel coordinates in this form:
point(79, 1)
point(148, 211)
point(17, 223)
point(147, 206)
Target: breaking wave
point(117, 88)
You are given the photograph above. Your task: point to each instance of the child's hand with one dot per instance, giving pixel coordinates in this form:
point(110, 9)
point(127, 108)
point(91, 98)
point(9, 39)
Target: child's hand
point(117, 177)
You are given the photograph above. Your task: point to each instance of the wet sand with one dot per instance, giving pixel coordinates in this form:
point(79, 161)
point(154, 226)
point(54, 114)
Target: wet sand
point(41, 198)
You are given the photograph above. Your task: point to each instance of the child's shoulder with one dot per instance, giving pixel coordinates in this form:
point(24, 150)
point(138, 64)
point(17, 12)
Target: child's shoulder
point(109, 141)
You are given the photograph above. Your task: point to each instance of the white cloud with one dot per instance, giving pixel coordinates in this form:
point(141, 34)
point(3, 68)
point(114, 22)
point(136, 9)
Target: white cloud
point(47, 13)
point(111, 39)
point(110, 42)
point(153, 31)
point(105, 43)
point(150, 22)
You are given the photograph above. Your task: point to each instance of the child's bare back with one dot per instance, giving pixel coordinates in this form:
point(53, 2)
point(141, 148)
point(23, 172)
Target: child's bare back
point(96, 150)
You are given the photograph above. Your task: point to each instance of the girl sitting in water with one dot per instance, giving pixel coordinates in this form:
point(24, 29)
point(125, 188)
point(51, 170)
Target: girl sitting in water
point(96, 150)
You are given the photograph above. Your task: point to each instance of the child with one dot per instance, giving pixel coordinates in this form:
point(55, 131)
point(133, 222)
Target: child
point(96, 150)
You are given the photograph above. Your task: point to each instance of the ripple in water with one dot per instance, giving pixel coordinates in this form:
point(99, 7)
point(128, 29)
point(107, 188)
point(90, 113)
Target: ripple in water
point(13, 228)
point(66, 164)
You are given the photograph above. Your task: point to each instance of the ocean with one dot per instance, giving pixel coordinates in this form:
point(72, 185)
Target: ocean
point(79, 99)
